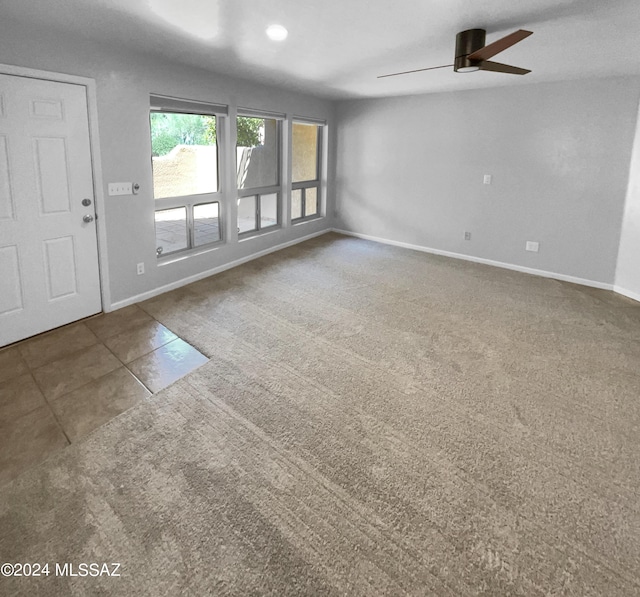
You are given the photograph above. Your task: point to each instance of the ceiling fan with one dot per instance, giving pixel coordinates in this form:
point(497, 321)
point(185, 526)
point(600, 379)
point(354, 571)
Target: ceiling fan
point(472, 54)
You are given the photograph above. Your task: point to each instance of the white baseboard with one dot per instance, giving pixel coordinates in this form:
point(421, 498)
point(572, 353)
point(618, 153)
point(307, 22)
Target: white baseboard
point(511, 266)
point(216, 270)
point(210, 272)
point(628, 293)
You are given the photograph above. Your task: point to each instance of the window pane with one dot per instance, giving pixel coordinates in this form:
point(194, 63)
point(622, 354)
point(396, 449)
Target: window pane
point(247, 214)
point(206, 223)
point(257, 152)
point(184, 154)
point(305, 152)
point(171, 230)
point(310, 201)
point(296, 204)
point(268, 210)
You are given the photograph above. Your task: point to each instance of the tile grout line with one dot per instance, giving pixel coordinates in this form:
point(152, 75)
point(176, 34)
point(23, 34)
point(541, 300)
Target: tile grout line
point(140, 381)
point(177, 337)
point(30, 374)
point(99, 341)
point(48, 401)
point(126, 366)
point(48, 404)
point(57, 420)
point(70, 355)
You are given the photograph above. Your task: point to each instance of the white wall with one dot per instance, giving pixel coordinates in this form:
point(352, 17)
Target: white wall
point(628, 270)
point(124, 83)
point(411, 170)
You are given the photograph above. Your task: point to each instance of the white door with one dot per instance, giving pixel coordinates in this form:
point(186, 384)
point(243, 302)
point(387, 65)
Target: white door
point(48, 246)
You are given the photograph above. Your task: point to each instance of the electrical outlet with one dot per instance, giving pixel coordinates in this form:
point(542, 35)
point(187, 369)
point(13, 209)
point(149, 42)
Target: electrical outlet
point(120, 188)
point(532, 246)
point(487, 179)
point(140, 269)
point(467, 236)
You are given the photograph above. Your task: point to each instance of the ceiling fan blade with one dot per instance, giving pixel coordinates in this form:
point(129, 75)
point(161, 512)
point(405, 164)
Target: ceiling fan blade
point(406, 72)
point(500, 45)
point(496, 67)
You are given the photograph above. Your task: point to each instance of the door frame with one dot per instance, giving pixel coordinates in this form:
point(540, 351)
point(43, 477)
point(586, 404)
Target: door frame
point(96, 162)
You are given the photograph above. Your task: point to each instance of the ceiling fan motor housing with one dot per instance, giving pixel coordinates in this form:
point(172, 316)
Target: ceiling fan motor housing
point(468, 42)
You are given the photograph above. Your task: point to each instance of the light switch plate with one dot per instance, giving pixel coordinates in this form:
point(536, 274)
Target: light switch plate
point(532, 246)
point(487, 179)
point(120, 188)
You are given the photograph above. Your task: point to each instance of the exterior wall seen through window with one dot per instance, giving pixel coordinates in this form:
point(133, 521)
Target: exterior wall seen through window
point(187, 150)
point(305, 170)
point(184, 155)
point(258, 173)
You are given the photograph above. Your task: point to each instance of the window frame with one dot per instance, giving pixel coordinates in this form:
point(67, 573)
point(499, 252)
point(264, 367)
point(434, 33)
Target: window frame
point(170, 105)
point(303, 185)
point(263, 190)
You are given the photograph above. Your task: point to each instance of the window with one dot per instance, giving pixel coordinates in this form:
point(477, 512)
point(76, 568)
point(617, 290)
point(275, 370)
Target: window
point(258, 172)
point(305, 170)
point(186, 186)
point(171, 230)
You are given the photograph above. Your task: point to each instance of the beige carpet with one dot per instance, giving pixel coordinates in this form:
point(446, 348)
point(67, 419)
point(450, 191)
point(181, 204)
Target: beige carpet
point(373, 421)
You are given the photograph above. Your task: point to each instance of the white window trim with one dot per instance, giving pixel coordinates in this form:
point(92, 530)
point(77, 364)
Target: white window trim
point(318, 182)
point(165, 103)
point(276, 189)
point(173, 105)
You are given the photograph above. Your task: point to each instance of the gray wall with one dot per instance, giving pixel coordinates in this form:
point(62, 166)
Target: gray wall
point(628, 271)
point(124, 82)
point(408, 169)
point(411, 169)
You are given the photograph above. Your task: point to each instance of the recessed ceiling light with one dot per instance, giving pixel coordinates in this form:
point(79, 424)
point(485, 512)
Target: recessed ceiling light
point(277, 32)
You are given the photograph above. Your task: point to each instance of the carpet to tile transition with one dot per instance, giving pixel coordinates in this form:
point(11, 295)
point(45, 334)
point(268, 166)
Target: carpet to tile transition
point(373, 421)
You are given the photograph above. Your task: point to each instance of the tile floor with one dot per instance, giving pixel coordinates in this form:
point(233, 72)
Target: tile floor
point(57, 387)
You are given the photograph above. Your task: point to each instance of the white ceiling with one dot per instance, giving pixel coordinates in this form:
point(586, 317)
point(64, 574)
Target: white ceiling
point(336, 48)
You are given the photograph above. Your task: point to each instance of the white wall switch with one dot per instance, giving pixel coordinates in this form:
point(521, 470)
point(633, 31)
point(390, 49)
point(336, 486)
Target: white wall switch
point(487, 179)
point(140, 269)
point(467, 236)
point(532, 246)
point(120, 188)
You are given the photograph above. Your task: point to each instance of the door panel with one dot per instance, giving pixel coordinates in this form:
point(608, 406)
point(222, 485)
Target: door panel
point(6, 199)
point(60, 267)
point(48, 254)
point(50, 158)
point(11, 296)
point(46, 109)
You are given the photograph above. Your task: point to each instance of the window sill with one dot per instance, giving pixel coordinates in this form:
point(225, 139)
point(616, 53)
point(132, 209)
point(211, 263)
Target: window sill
point(306, 220)
point(182, 255)
point(257, 233)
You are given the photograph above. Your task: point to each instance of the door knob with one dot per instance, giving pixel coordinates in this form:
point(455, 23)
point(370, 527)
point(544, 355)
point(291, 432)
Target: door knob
point(88, 218)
